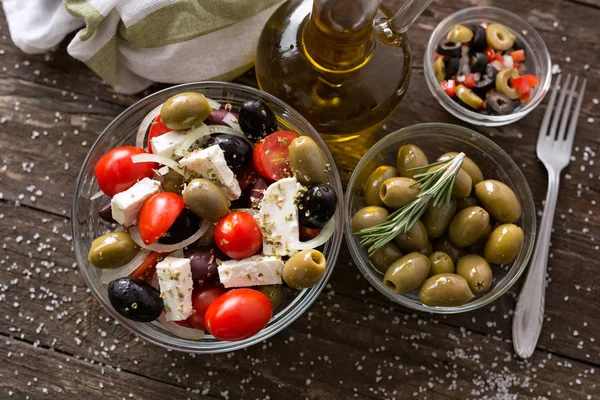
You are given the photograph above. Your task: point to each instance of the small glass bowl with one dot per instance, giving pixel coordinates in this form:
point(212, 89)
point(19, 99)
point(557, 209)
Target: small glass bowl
point(436, 139)
point(87, 225)
point(538, 62)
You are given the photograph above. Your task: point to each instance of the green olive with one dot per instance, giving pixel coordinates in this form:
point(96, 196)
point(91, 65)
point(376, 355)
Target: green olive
point(407, 273)
point(502, 82)
point(413, 240)
point(205, 199)
point(308, 161)
point(367, 217)
point(185, 110)
point(208, 238)
point(374, 181)
point(504, 244)
point(409, 157)
point(499, 200)
point(439, 69)
point(437, 219)
point(469, 97)
point(462, 182)
point(427, 250)
point(304, 269)
point(499, 38)
point(440, 263)
point(476, 271)
point(385, 257)
point(445, 290)
point(468, 165)
point(477, 247)
point(464, 202)
point(112, 250)
point(468, 226)
point(444, 244)
point(398, 192)
point(172, 182)
point(274, 293)
point(460, 34)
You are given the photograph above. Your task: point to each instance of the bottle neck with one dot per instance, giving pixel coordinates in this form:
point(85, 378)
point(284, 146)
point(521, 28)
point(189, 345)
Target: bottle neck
point(338, 34)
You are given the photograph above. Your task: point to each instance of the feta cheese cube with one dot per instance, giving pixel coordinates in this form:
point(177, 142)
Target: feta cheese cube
point(165, 145)
point(126, 206)
point(279, 217)
point(176, 285)
point(210, 164)
point(251, 271)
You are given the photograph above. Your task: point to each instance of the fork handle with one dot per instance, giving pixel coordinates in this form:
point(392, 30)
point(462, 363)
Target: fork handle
point(529, 314)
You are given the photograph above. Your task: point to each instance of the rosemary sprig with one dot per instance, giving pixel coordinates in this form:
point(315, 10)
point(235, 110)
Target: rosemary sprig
point(436, 189)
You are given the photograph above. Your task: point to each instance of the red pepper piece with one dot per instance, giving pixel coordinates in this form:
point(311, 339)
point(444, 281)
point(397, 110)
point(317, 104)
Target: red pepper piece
point(449, 87)
point(470, 81)
point(518, 55)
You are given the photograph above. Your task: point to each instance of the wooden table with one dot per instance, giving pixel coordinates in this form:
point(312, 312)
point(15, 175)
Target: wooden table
point(57, 342)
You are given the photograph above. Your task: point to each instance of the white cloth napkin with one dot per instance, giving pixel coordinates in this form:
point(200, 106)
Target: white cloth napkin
point(132, 43)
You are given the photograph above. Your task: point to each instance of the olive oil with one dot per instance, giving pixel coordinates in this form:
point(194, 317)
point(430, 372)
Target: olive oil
point(331, 61)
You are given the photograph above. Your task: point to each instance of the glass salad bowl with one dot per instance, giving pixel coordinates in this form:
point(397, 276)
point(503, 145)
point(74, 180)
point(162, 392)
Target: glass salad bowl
point(436, 139)
point(87, 225)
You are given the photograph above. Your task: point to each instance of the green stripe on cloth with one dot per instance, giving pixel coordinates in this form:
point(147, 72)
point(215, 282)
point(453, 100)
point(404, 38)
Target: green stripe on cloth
point(104, 62)
point(189, 19)
point(83, 10)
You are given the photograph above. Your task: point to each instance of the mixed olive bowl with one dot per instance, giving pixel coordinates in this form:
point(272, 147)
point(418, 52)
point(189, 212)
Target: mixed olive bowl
point(436, 139)
point(87, 225)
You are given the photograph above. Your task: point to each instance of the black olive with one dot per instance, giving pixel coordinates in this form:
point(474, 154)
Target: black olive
point(257, 192)
point(203, 262)
point(500, 104)
point(257, 120)
point(451, 65)
point(186, 224)
point(449, 49)
point(238, 152)
point(479, 62)
point(317, 206)
point(105, 211)
point(518, 44)
point(135, 299)
point(216, 117)
point(479, 41)
point(487, 82)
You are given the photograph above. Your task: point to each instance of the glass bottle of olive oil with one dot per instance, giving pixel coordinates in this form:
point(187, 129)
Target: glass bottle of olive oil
point(341, 64)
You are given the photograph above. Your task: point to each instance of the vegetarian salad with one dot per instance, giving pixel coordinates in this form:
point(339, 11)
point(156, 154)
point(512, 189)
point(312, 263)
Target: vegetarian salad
point(437, 228)
point(483, 68)
point(218, 215)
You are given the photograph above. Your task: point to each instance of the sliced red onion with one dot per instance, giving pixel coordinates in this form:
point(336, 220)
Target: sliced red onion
point(508, 61)
point(109, 275)
point(192, 137)
point(231, 131)
point(134, 231)
point(318, 240)
point(181, 331)
point(140, 137)
point(141, 158)
point(96, 195)
point(215, 105)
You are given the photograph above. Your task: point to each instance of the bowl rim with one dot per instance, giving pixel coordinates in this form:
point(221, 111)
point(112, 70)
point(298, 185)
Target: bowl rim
point(296, 308)
point(355, 250)
point(473, 117)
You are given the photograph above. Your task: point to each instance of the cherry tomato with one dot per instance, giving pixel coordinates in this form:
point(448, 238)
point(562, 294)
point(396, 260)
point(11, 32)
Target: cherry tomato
point(158, 214)
point(246, 175)
point(271, 155)
point(449, 87)
point(238, 314)
point(202, 297)
point(147, 268)
point(238, 235)
point(157, 128)
point(115, 172)
point(308, 233)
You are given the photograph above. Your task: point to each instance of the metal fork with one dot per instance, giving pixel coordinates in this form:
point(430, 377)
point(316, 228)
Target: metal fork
point(554, 150)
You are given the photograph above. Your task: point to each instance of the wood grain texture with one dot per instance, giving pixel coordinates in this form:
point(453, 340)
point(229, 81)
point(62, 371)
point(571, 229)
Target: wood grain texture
point(353, 343)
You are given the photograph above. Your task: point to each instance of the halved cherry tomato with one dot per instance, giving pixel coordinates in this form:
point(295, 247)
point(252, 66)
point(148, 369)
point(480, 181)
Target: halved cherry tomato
point(238, 314)
point(238, 235)
point(308, 233)
point(518, 55)
point(158, 214)
point(246, 175)
point(147, 267)
point(491, 54)
point(524, 83)
point(449, 87)
point(271, 155)
point(157, 128)
point(202, 297)
point(470, 81)
point(115, 172)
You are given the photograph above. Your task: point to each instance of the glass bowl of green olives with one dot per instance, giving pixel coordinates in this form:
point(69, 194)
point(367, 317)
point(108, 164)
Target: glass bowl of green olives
point(487, 66)
point(448, 257)
point(88, 223)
